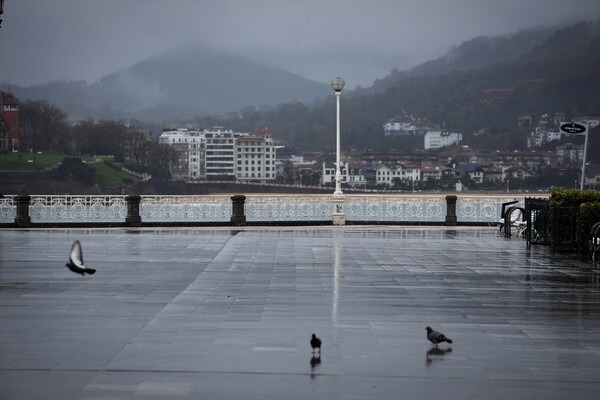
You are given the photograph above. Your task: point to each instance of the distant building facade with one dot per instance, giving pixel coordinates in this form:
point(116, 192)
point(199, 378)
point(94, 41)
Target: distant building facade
point(10, 133)
point(255, 157)
point(406, 126)
point(220, 154)
point(570, 153)
point(386, 174)
point(190, 152)
point(439, 139)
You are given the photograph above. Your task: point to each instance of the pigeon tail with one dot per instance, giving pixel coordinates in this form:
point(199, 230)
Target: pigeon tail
point(93, 271)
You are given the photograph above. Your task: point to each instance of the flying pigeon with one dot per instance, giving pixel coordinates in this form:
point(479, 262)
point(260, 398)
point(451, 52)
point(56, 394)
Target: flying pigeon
point(75, 263)
point(436, 337)
point(315, 342)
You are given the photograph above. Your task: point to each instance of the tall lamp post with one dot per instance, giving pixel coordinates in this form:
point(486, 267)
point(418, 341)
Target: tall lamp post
point(338, 216)
point(337, 84)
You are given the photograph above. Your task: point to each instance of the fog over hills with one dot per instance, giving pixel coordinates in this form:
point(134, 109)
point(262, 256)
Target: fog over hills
point(195, 80)
point(478, 52)
point(182, 83)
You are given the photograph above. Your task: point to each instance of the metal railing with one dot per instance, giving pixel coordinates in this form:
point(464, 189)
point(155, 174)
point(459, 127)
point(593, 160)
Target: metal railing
point(77, 209)
point(260, 208)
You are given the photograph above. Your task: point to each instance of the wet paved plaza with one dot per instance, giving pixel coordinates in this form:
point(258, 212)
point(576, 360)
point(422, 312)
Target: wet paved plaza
point(228, 314)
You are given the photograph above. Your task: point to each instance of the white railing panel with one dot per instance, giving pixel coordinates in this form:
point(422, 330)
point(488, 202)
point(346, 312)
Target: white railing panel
point(216, 208)
point(288, 208)
point(483, 208)
point(73, 208)
point(395, 208)
point(8, 209)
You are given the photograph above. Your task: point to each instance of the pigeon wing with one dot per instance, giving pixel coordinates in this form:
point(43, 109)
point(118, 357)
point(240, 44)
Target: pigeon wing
point(76, 256)
point(435, 336)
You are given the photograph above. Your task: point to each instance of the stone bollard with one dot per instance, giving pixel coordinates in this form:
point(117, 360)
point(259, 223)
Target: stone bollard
point(238, 218)
point(22, 219)
point(133, 210)
point(451, 219)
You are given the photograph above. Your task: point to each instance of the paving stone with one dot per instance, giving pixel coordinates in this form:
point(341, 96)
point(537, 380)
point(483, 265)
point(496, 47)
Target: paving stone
point(215, 313)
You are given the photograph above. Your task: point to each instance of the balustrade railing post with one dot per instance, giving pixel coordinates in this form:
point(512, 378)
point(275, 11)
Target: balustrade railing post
point(22, 219)
point(238, 218)
point(451, 219)
point(133, 210)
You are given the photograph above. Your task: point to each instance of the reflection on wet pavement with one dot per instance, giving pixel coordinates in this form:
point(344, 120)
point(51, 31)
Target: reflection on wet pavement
point(221, 313)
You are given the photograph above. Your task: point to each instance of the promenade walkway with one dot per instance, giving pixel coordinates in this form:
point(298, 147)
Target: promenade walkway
point(227, 314)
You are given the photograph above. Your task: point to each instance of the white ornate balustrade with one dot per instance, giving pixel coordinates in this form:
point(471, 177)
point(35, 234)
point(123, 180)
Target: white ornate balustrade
point(481, 208)
point(259, 208)
point(211, 208)
point(80, 209)
point(7, 209)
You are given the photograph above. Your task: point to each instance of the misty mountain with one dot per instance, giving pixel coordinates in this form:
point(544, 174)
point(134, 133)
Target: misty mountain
point(189, 81)
point(473, 54)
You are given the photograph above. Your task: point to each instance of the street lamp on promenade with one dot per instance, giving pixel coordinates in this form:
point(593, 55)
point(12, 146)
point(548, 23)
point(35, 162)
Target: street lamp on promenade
point(337, 84)
point(338, 216)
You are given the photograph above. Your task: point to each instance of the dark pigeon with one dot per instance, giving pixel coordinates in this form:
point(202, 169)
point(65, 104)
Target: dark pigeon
point(75, 263)
point(315, 342)
point(436, 337)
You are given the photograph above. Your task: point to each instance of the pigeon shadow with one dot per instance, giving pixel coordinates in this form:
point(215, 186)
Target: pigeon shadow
point(315, 361)
point(436, 354)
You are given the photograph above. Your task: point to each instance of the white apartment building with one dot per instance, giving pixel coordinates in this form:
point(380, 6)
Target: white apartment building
point(439, 139)
point(190, 148)
point(385, 174)
point(220, 153)
point(255, 157)
point(406, 126)
point(541, 136)
point(352, 174)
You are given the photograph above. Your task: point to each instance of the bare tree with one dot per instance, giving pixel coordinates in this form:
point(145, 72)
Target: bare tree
point(136, 147)
point(162, 157)
point(44, 126)
point(100, 137)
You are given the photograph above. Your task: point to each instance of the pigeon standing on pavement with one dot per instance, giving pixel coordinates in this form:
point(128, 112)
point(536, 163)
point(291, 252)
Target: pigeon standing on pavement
point(75, 263)
point(315, 342)
point(436, 337)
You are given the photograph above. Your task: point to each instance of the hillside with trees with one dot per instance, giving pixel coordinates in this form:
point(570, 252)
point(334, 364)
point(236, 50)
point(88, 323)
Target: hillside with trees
point(560, 74)
point(187, 81)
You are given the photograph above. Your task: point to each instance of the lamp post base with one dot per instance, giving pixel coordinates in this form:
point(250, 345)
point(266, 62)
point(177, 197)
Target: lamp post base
point(338, 218)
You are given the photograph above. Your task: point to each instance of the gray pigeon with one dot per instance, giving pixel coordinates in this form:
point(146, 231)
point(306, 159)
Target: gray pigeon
point(315, 342)
point(75, 263)
point(436, 337)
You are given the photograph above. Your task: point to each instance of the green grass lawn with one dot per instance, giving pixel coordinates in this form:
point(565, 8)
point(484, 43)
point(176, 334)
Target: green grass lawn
point(29, 161)
point(105, 175)
point(38, 162)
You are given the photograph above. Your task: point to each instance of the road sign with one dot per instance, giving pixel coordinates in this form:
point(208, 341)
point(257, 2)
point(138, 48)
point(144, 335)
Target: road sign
point(572, 128)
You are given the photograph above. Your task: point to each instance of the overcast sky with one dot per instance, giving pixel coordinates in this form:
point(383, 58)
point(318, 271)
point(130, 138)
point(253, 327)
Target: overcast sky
point(360, 40)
